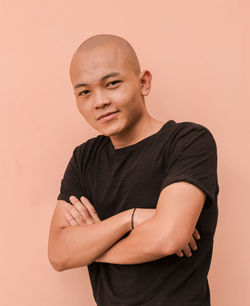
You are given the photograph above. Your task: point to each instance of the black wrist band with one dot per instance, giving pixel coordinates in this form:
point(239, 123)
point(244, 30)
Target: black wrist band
point(132, 219)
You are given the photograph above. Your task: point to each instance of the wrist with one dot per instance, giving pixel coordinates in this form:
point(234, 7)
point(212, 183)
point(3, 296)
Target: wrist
point(129, 216)
point(126, 218)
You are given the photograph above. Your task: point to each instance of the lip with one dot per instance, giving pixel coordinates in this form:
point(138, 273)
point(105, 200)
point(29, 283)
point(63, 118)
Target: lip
point(107, 115)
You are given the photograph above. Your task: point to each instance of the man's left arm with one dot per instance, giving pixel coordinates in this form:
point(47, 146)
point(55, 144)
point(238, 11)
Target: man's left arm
point(169, 231)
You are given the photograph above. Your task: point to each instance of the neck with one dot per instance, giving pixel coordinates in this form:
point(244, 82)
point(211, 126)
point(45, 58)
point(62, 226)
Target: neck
point(142, 128)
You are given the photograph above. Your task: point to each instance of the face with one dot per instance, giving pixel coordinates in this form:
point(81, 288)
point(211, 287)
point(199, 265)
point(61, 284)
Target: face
point(108, 93)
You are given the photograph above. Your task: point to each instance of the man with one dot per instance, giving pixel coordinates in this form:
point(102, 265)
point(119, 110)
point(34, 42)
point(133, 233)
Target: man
point(166, 170)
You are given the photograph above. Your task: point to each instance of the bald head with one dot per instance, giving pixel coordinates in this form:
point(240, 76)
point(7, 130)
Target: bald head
point(111, 41)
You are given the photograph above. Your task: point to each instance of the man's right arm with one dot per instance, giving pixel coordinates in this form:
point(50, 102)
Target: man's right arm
point(76, 246)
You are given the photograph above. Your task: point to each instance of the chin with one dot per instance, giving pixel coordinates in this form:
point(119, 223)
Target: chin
point(110, 130)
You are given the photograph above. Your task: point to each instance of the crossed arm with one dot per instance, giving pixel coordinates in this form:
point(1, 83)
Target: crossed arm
point(167, 232)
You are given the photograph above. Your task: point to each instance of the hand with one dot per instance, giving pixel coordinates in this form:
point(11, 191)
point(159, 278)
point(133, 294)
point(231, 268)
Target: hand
point(191, 245)
point(143, 214)
point(82, 212)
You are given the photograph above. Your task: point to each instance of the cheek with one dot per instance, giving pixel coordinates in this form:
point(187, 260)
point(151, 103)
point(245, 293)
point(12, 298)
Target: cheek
point(81, 105)
point(132, 103)
point(125, 99)
point(83, 108)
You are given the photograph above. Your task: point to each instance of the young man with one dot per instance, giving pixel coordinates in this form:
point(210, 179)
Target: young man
point(166, 170)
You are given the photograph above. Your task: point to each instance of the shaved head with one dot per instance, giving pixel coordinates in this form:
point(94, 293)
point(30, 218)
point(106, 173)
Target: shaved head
point(112, 41)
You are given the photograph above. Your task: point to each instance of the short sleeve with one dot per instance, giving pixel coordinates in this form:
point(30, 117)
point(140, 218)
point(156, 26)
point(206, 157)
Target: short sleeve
point(71, 182)
point(193, 158)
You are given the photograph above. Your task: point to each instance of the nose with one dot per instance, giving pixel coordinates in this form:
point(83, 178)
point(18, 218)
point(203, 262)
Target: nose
point(100, 100)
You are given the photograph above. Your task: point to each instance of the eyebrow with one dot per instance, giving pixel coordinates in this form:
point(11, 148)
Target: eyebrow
point(111, 74)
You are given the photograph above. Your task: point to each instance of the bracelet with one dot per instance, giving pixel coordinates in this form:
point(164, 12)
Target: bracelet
point(132, 219)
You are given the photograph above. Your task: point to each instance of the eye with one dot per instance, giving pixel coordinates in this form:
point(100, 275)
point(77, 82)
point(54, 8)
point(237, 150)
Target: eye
point(83, 93)
point(114, 82)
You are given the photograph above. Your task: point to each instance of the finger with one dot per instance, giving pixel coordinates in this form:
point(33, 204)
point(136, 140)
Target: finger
point(83, 211)
point(70, 219)
point(179, 253)
point(196, 234)
point(75, 214)
point(192, 244)
point(91, 209)
point(187, 251)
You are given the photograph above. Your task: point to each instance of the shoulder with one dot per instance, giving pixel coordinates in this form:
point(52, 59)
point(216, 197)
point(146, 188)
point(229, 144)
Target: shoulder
point(187, 126)
point(189, 129)
point(89, 146)
point(191, 135)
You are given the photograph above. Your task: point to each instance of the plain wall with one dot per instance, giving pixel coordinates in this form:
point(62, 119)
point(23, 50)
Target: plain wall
point(198, 53)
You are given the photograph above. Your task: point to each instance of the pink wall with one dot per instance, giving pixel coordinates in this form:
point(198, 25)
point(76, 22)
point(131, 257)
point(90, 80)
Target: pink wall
point(198, 53)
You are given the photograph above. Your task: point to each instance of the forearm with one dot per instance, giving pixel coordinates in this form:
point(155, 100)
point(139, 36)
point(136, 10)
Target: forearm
point(77, 246)
point(141, 245)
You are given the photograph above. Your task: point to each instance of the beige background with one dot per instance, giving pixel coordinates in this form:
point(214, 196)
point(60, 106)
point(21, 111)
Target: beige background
point(198, 53)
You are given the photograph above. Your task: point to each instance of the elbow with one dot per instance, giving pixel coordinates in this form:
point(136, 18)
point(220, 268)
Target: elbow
point(55, 262)
point(61, 264)
point(55, 256)
point(56, 265)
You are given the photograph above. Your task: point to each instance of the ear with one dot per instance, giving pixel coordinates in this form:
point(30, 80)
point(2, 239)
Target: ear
point(145, 82)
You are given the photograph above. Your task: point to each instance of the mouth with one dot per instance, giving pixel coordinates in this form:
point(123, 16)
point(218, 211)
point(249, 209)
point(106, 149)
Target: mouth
point(107, 116)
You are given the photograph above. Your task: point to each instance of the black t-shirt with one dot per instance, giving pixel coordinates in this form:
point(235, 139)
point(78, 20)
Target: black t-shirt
point(115, 180)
